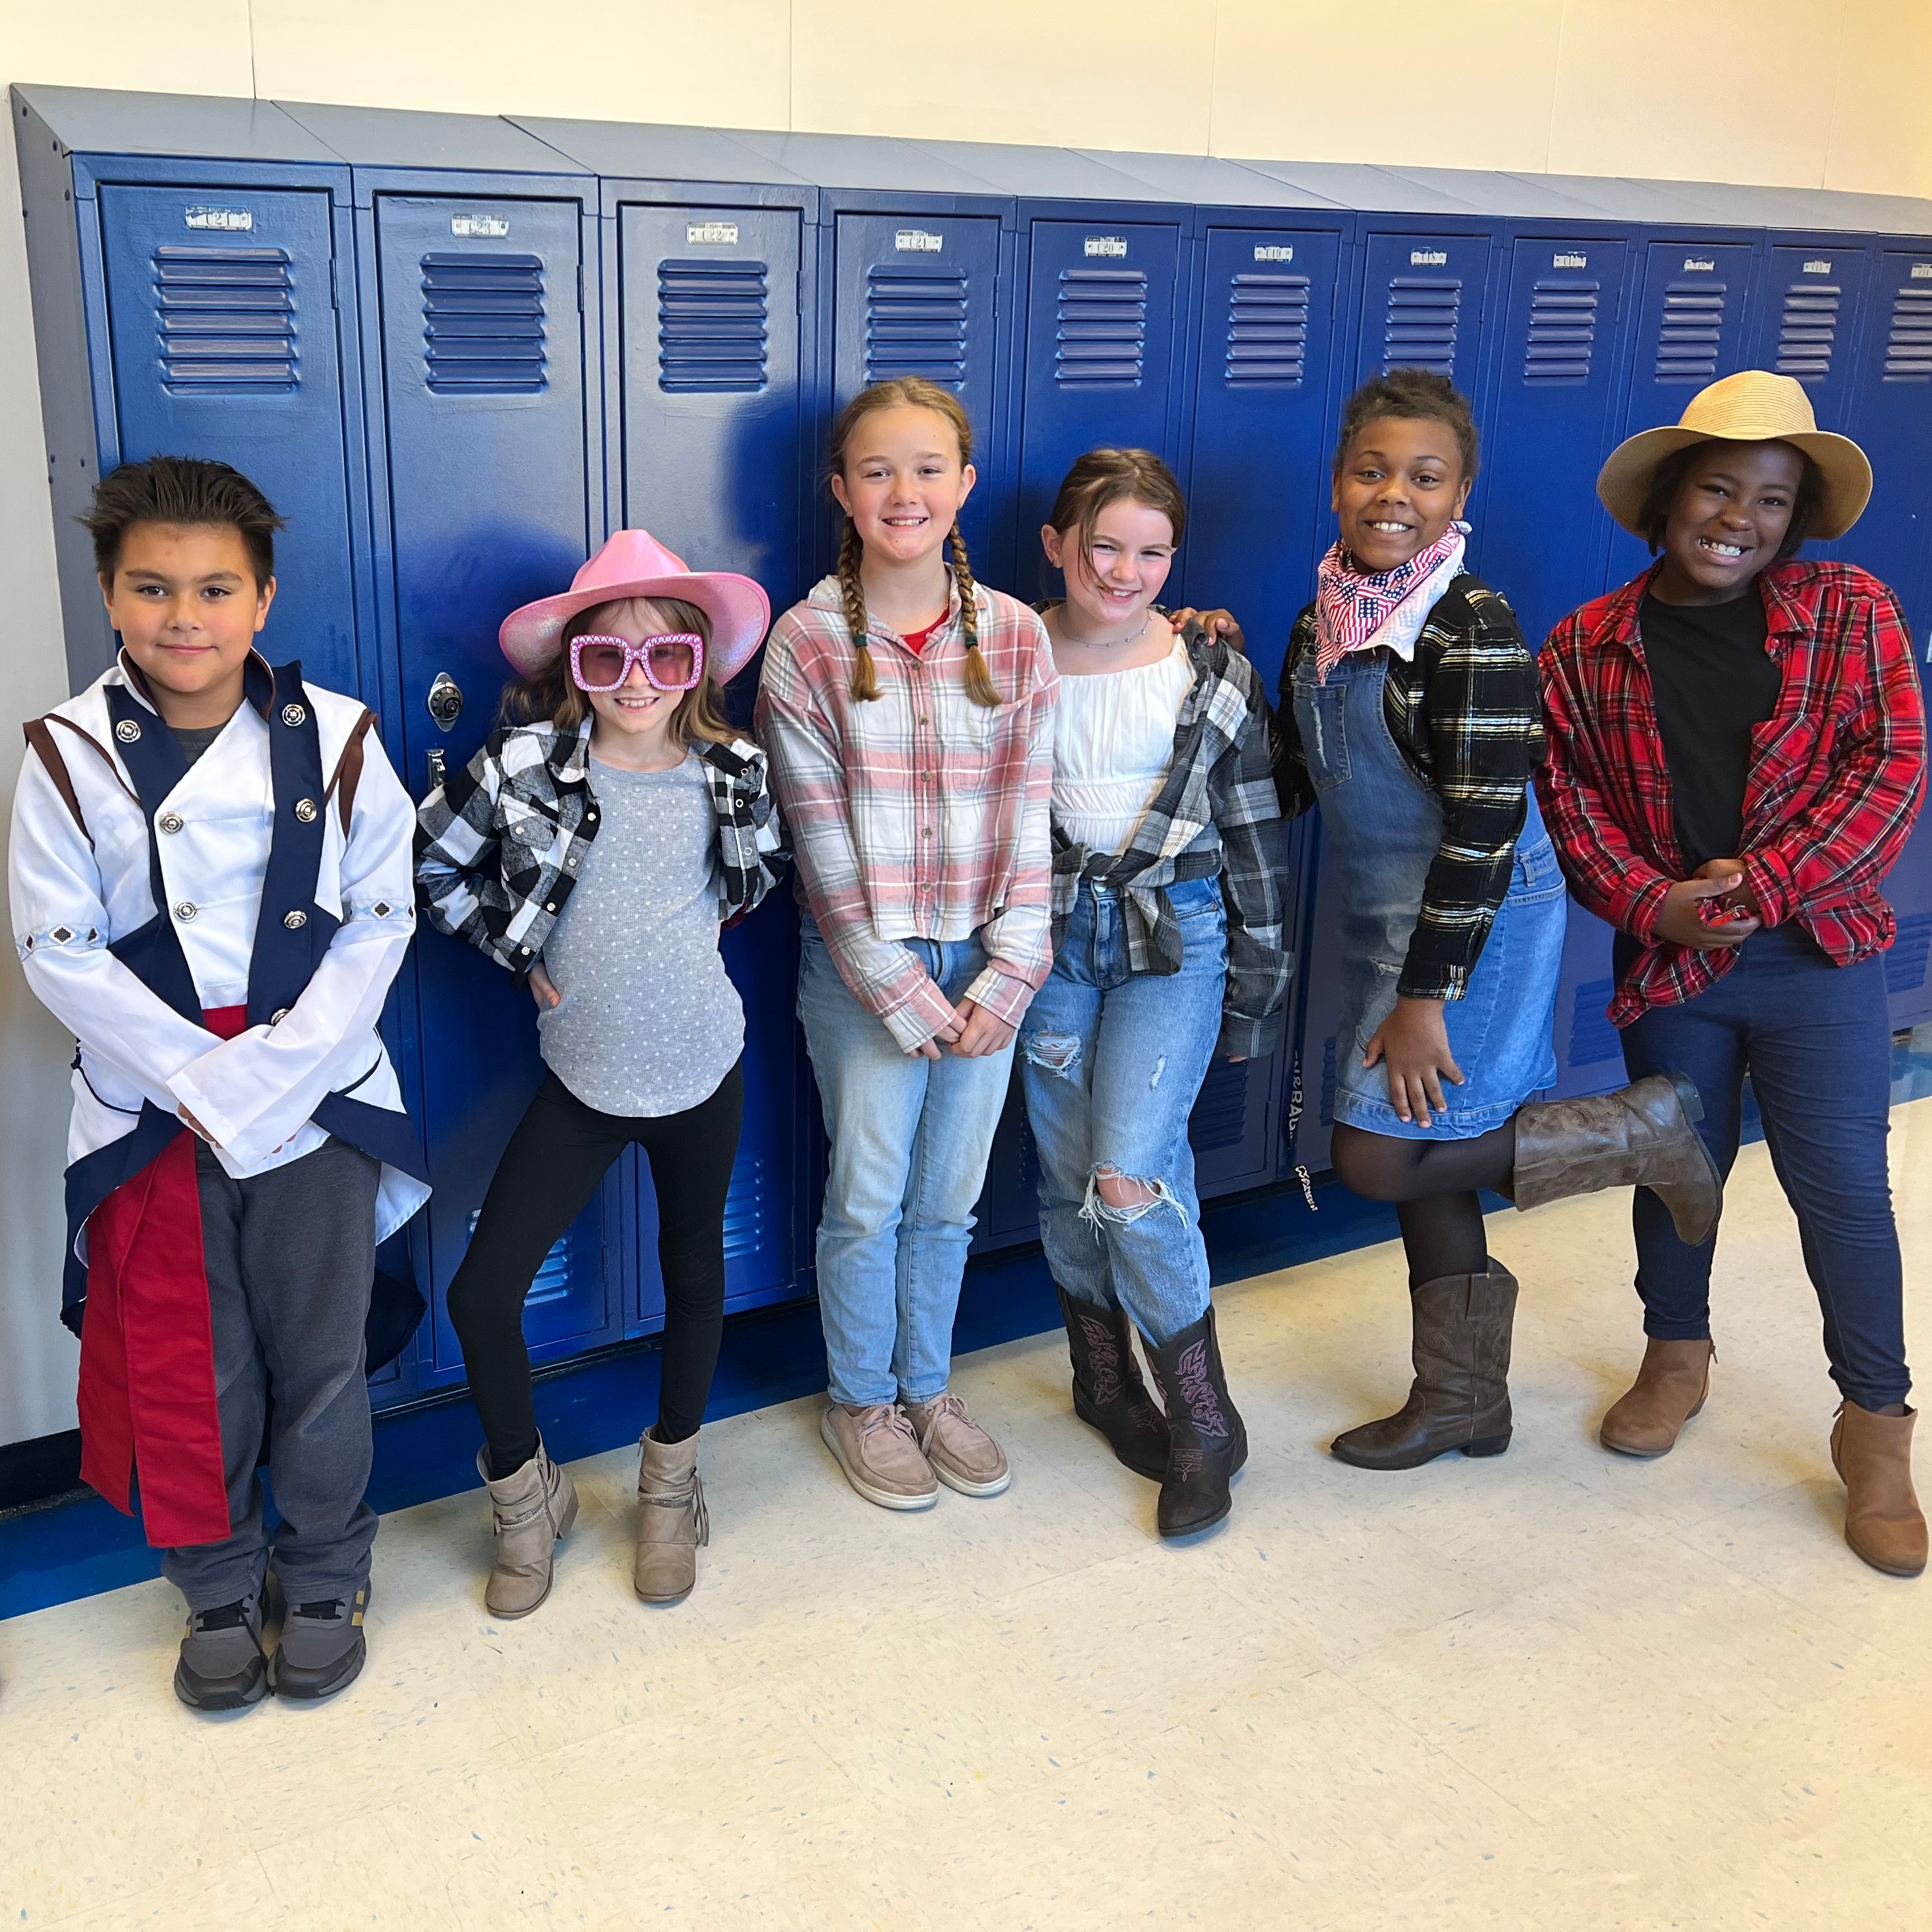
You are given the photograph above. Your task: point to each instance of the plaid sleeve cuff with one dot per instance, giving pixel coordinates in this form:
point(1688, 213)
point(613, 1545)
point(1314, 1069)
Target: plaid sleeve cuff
point(1645, 906)
point(1768, 879)
point(1005, 995)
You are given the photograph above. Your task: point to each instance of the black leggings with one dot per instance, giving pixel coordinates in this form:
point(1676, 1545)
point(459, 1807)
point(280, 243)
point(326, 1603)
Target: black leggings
point(556, 1158)
point(1434, 1185)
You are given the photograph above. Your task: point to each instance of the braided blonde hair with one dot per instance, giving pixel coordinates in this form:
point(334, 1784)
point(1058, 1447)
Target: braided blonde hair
point(906, 392)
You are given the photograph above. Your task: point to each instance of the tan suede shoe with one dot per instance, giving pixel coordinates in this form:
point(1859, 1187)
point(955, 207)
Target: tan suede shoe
point(533, 1508)
point(877, 1450)
point(1883, 1522)
point(672, 1520)
point(963, 1456)
point(1670, 1388)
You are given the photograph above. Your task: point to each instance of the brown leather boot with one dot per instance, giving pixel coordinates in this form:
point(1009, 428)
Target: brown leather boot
point(1643, 1135)
point(1460, 1397)
point(1883, 1522)
point(1670, 1388)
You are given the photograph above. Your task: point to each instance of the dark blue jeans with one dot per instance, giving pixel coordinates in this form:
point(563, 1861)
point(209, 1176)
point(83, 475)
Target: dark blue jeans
point(1816, 1039)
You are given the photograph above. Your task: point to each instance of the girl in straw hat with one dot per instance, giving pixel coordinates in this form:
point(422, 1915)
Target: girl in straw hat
point(1736, 754)
point(594, 845)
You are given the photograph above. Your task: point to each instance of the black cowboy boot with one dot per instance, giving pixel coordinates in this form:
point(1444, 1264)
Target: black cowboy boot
point(1108, 1391)
point(1209, 1443)
point(1460, 1399)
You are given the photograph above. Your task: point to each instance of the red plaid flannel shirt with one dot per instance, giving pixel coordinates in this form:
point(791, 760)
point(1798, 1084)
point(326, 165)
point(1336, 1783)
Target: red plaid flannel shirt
point(1838, 773)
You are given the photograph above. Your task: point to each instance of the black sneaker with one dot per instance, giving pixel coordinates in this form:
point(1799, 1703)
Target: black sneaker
point(222, 1667)
point(322, 1649)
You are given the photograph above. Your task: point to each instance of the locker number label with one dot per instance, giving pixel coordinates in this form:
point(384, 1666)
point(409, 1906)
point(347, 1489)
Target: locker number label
point(1273, 252)
point(1921, 271)
point(1574, 260)
point(1429, 258)
point(1698, 265)
point(917, 241)
point(229, 221)
point(1817, 267)
point(711, 235)
point(1114, 246)
point(487, 227)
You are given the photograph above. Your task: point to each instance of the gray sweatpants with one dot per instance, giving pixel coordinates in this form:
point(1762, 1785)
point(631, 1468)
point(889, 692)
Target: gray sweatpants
point(291, 1260)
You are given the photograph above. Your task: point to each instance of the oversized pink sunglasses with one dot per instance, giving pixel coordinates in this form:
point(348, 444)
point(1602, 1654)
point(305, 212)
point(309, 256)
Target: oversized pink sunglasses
point(673, 661)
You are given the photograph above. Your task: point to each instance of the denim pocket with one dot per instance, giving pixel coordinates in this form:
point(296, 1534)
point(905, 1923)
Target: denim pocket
point(1534, 874)
point(1325, 743)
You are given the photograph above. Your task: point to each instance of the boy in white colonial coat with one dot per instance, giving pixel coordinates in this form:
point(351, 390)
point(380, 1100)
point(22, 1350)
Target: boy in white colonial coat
point(209, 884)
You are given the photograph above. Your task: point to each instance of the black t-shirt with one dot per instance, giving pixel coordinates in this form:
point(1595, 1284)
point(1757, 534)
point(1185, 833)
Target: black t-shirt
point(1713, 681)
point(195, 738)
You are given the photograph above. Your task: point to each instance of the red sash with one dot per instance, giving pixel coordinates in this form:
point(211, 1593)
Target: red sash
point(147, 1396)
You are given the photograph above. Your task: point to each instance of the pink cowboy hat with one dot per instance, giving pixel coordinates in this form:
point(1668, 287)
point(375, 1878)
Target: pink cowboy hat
point(633, 563)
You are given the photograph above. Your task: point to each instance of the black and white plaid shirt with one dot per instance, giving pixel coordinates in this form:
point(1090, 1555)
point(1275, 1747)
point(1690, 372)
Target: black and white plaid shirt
point(500, 844)
point(1216, 814)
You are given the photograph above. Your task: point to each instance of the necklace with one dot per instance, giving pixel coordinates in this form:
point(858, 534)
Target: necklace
point(1073, 637)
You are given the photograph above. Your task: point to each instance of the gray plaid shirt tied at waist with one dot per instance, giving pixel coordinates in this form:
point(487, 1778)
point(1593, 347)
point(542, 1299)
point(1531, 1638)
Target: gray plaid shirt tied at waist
point(1216, 814)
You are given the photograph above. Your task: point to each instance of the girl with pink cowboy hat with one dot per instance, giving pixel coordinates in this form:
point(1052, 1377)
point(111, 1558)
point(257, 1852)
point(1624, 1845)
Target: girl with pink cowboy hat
point(608, 827)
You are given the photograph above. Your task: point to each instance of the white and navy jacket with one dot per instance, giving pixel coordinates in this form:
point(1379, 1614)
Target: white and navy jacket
point(82, 871)
point(501, 844)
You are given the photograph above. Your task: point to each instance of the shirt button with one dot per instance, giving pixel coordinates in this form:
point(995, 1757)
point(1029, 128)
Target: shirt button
point(571, 862)
point(295, 921)
point(926, 832)
point(127, 730)
point(186, 910)
point(170, 821)
point(924, 719)
point(550, 906)
point(305, 810)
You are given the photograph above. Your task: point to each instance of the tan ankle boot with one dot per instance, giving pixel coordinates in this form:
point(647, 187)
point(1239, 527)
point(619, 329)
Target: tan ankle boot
point(1670, 1388)
point(671, 1519)
point(1643, 1135)
point(534, 1507)
point(1883, 1522)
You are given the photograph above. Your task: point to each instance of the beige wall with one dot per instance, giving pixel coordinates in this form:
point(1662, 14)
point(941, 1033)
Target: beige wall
point(1788, 92)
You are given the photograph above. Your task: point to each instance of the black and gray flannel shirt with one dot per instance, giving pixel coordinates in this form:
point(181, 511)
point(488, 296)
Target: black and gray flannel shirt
point(500, 844)
point(1216, 814)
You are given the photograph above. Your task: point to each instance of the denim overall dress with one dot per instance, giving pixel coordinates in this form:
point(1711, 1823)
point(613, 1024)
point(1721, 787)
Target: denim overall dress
point(1381, 826)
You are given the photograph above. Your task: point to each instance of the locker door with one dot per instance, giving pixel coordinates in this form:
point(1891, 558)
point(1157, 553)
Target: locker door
point(1099, 355)
point(221, 307)
point(713, 404)
point(483, 392)
point(714, 426)
point(1422, 305)
point(1260, 410)
point(1540, 532)
point(1810, 329)
point(918, 297)
point(1892, 418)
point(1691, 329)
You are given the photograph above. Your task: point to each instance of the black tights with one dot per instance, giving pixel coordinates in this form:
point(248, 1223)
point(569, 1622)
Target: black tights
point(1434, 1186)
point(553, 1164)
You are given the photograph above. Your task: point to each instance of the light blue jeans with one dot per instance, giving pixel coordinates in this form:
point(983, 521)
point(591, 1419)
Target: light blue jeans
point(1112, 1061)
point(909, 1142)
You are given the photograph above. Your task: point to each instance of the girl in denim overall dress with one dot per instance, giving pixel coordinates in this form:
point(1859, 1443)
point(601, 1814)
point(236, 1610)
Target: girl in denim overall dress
point(1410, 713)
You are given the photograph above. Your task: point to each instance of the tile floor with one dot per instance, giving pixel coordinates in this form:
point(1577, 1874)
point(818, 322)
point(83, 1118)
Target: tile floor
point(1557, 1689)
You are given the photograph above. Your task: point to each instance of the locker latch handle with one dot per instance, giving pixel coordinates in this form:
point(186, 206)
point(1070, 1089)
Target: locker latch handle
point(434, 760)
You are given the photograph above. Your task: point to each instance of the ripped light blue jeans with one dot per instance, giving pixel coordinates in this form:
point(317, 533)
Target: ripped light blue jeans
point(1112, 1061)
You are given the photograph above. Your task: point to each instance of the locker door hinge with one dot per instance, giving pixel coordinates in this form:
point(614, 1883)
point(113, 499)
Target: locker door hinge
point(334, 283)
point(579, 288)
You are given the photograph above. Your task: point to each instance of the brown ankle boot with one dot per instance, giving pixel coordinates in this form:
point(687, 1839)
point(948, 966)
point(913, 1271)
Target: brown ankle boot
point(1670, 1388)
point(1643, 1135)
point(1460, 1397)
point(1883, 1522)
point(673, 1523)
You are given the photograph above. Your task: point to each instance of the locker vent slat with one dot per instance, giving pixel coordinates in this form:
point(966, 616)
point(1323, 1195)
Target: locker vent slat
point(226, 320)
point(1424, 315)
point(1592, 1039)
point(713, 334)
point(1908, 349)
point(1267, 332)
point(1906, 964)
point(1692, 331)
point(1807, 332)
point(551, 1282)
point(745, 1210)
point(1562, 331)
point(915, 324)
point(1221, 1113)
point(483, 324)
point(1102, 336)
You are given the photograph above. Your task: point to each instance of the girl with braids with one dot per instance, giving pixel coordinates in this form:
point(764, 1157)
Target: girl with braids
point(908, 715)
point(1168, 868)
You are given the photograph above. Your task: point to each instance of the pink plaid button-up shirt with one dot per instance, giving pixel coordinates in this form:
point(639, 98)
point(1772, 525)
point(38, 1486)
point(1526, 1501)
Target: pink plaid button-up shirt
point(920, 814)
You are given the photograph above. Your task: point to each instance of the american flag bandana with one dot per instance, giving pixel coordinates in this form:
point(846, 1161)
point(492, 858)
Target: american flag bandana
point(1352, 606)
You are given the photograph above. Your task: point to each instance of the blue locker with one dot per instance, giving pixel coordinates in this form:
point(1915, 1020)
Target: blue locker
point(1422, 305)
point(194, 294)
point(1691, 327)
point(474, 292)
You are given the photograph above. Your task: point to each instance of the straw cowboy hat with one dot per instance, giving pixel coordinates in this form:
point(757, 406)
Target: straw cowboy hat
point(1752, 406)
point(633, 563)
